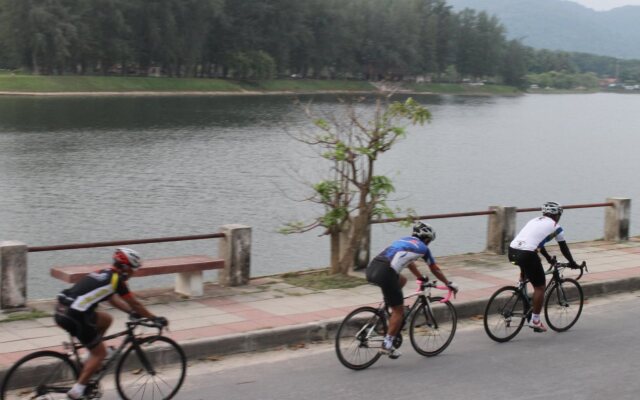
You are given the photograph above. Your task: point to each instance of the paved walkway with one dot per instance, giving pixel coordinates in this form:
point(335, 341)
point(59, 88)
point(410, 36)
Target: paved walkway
point(270, 313)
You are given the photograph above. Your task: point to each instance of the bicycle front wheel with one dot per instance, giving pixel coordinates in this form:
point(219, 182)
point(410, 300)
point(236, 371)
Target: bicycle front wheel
point(154, 368)
point(563, 304)
point(359, 338)
point(40, 375)
point(505, 314)
point(432, 328)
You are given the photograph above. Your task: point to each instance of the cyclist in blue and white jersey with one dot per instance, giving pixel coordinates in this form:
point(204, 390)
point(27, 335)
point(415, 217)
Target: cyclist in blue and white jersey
point(523, 252)
point(384, 271)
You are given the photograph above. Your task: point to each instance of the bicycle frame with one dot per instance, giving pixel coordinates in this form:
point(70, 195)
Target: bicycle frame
point(423, 292)
point(130, 339)
point(555, 270)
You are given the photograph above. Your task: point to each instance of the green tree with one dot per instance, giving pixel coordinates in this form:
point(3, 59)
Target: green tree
point(42, 33)
point(489, 45)
point(514, 64)
point(353, 194)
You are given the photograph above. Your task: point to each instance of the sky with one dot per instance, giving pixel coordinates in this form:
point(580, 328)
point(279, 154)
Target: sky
point(602, 5)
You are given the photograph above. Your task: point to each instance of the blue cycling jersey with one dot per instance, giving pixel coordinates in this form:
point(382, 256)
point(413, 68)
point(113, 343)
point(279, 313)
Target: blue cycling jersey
point(404, 251)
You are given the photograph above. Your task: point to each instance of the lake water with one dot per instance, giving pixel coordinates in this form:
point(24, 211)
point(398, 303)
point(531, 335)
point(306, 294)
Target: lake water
point(88, 169)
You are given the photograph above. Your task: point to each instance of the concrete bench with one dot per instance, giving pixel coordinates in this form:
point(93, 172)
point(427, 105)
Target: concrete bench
point(188, 270)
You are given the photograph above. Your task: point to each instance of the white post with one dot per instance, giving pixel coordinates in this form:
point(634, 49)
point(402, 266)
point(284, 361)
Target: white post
point(235, 249)
point(13, 273)
point(616, 219)
point(501, 229)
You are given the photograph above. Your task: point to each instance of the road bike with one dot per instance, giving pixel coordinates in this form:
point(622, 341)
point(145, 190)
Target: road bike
point(146, 367)
point(510, 306)
point(432, 323)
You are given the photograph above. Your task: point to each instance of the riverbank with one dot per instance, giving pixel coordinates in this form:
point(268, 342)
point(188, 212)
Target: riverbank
point(37, 85)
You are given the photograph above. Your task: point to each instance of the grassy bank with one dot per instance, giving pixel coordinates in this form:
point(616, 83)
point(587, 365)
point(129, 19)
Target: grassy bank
point(97, 84)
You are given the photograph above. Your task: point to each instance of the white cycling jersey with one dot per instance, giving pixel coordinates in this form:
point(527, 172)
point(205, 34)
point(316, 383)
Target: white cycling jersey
point(536, 233)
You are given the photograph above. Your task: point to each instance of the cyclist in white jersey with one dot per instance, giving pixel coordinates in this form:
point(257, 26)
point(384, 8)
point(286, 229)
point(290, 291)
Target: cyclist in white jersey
point(523, 252)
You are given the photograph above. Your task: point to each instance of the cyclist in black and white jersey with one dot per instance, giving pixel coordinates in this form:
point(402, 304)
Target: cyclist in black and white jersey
point(523, 252)
point(76, 310)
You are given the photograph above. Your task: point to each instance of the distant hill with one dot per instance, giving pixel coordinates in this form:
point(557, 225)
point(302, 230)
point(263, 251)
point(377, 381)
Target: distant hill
point(564, 25)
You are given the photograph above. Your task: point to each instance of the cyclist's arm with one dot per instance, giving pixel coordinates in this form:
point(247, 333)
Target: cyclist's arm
point(438, 273)
point(129, 303)
point(546, 255)
point(414, 269)
point(565, 251)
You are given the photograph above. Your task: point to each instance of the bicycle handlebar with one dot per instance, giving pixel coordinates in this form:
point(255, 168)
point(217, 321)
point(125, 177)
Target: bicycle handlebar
point(148, 322)
point(559, 265)
point(422, 285)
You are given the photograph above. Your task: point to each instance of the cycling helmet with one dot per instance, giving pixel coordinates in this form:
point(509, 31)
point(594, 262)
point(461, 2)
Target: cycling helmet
point(424, 231)
point(552, 208)
point(125, 257)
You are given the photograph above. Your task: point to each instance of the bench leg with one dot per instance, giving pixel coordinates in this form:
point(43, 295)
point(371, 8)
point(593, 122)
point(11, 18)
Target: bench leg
point(189, 283)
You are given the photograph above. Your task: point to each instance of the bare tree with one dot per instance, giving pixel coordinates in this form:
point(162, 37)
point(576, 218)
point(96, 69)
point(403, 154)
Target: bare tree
point(353, 195)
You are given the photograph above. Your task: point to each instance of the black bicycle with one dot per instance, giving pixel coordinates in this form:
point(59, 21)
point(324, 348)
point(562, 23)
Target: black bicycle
point(147, 367)
point(432, 324)
point(509, 307)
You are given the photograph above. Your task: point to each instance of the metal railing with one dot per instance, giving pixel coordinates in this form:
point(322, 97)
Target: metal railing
point(593, 205)
point(502, 222)
point(234, 249)
point(34, 249)
point(477, 213)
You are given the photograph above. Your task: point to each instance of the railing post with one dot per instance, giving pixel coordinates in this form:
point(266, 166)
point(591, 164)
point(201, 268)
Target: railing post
point(616, 219)
point(13, 274)
point(501, 229)
point(235, 249)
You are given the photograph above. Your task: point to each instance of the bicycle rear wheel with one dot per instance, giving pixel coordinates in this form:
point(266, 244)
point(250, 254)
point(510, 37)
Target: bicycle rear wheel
point(359, 338)
point(563, 304)
point(155, 371)
point(431, 330)
point(40, 375)
point(505, 314)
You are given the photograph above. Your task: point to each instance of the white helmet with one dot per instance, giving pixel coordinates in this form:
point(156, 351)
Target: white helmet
point(552, 208)
point(125, 257)
point(424, 231)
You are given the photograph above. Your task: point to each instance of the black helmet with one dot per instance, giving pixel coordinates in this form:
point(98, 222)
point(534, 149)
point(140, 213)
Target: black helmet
point(552, 208)
point(424, 231)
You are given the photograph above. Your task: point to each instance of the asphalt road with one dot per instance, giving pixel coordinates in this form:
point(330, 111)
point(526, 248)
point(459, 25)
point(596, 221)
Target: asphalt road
point(599, 358)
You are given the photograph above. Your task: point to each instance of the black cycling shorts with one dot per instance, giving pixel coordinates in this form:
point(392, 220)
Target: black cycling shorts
point(380, 273)
point(81, 325)
point(530, 265)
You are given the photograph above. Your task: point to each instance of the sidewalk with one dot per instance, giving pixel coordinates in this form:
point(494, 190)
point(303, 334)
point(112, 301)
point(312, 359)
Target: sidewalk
point(269, 313)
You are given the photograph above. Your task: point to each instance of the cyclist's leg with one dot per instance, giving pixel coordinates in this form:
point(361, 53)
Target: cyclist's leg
point(92, 326)
point(103, 321)
point(534, 271)
point(379, 272)
point(531, 268)
point(397, 311)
